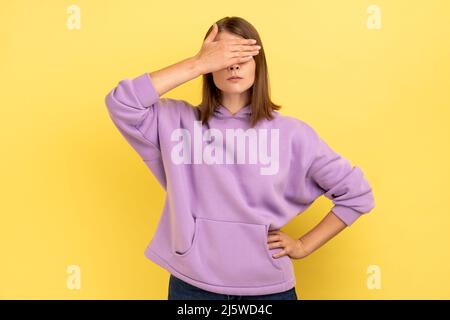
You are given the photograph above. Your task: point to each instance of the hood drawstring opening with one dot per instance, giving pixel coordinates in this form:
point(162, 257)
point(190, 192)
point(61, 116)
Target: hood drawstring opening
point(222, 112)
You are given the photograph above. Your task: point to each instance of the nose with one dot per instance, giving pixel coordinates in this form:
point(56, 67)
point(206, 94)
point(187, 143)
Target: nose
point(234, 67)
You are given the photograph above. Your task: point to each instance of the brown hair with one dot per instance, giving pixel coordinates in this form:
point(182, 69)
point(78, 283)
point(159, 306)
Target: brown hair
point(261, 105)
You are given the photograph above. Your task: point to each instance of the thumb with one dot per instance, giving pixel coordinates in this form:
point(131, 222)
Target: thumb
point(212, 34)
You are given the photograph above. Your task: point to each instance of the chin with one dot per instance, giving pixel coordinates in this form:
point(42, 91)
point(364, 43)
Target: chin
point(234, 90)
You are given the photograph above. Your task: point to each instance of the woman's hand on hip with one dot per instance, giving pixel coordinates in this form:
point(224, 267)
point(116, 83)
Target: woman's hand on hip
point(294, 248)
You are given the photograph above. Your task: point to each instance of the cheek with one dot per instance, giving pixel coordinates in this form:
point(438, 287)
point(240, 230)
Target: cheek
point(251, 69)
point(219, 76)
point(250, 74)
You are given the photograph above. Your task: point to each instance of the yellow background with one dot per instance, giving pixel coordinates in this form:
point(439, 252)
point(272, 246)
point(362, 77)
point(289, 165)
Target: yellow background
point(73, 192)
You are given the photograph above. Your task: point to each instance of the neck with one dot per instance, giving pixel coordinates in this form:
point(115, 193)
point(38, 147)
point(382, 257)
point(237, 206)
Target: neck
point(235, 102)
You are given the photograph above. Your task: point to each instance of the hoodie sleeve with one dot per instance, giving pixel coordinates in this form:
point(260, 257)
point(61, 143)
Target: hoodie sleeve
point(341, 182)
point(133, 106)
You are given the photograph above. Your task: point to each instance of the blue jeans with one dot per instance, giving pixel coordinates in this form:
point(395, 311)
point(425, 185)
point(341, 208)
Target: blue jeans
point(181, 290)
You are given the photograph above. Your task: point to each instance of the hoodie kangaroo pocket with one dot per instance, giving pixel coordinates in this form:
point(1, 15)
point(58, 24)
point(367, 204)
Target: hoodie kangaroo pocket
point(229, 254)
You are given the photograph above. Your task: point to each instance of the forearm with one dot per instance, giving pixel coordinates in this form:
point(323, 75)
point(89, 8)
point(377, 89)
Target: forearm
point(326, 229)
point(174, 75)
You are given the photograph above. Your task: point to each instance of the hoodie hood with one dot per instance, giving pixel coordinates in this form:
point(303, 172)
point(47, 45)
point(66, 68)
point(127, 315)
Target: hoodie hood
point(222, 112)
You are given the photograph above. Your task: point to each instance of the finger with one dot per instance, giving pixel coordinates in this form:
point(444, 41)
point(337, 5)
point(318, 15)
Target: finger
point(212, 34)
point(240, 59)
point(242, 41)
point(273, 238)
point(279, 254)
point(274, 235)
point(244, 48)
point(276, 244)
point(244, 54)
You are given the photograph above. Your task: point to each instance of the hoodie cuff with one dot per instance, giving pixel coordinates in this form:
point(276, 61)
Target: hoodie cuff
point(145, 90)
point(346, 214)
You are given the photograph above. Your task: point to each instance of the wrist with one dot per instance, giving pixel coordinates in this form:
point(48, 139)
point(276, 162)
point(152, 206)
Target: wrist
point(196, 65)
point(303, 247)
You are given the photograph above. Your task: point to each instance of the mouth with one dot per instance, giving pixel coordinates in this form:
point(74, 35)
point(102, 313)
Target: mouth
point(234, 78)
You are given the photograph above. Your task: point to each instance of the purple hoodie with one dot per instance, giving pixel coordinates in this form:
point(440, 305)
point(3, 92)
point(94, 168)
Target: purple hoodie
point(228, 184)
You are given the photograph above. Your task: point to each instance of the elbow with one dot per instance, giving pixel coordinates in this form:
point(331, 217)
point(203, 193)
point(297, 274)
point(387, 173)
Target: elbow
point(350, 210)
point(112, 103)
point(370, 205)
point(109, 98)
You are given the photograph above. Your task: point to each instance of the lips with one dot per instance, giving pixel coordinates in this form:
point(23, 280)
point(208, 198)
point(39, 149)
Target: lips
point(234, 77)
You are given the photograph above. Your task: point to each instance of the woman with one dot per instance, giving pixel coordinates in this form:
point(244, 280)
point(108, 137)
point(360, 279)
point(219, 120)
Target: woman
point(234, 170)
